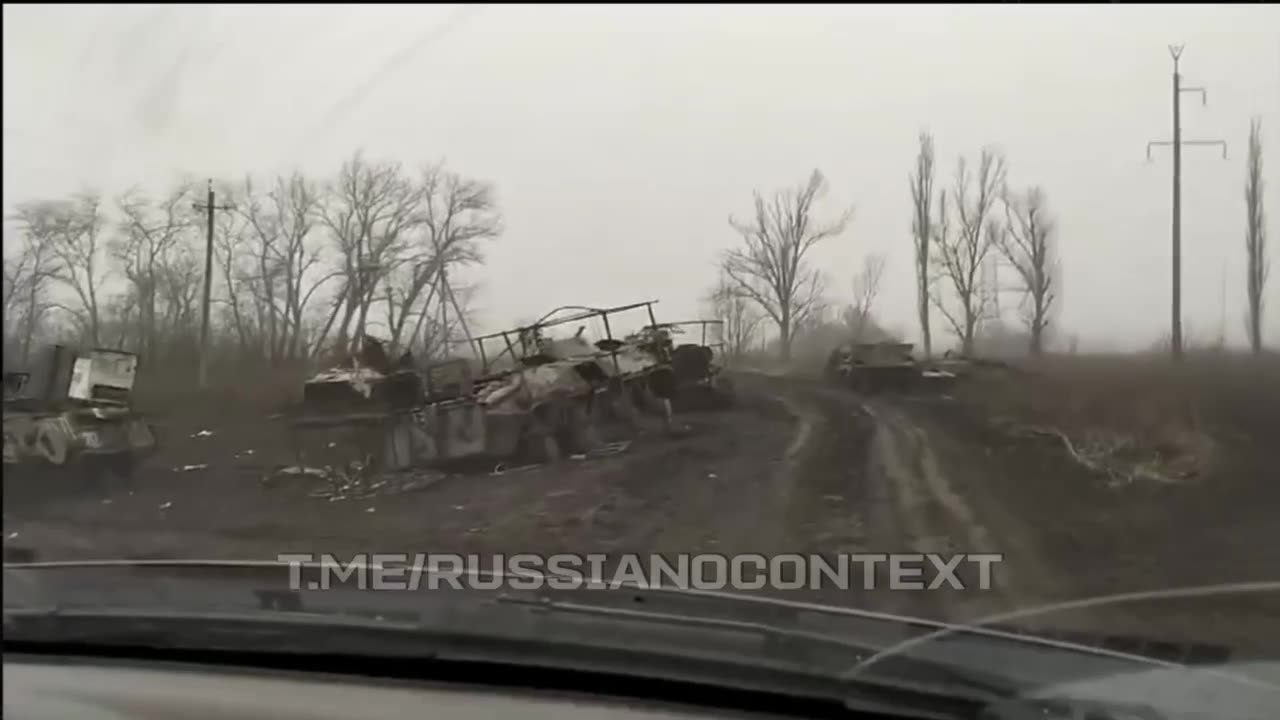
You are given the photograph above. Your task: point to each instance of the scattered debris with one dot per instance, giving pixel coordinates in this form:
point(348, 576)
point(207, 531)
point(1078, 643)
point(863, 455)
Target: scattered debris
point(300, 470)
point(352, 485)
point(1115, 456)
point(500, 470)
point(612, 448)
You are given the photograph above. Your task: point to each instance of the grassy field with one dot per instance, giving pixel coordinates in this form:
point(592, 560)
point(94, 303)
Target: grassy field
point(1211, 413)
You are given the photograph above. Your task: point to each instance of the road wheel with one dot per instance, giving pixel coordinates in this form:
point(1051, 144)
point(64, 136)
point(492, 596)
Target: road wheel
point(52, 445)
point(539, 442)
point(547, 448)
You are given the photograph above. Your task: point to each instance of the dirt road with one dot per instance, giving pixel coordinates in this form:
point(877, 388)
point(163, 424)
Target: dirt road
point(797, 468)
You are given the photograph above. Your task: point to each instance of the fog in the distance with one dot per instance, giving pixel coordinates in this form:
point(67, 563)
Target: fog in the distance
point(619, 139)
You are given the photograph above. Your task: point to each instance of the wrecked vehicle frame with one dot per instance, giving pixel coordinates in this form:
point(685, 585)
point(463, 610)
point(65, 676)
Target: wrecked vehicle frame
point(544, 405)
point(73, 409)
point(698, 371)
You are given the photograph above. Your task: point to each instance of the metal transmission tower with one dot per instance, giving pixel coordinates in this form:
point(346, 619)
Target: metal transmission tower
point(1177, 142)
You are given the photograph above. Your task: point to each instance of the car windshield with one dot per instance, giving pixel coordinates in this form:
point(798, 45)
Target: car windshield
point(837, 306)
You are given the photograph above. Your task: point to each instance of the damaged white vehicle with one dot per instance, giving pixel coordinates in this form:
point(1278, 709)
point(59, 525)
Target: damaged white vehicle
point(75, 409)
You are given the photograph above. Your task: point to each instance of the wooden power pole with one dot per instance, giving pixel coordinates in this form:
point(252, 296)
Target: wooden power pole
point(208, 207)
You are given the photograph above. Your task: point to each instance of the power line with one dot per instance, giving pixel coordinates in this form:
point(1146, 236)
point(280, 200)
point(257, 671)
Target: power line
point(1175, 51)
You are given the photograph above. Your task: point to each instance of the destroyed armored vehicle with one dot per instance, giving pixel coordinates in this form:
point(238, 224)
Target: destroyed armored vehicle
point(74, 409)
point(697, 368)
point(536, 397)
point(873, 367)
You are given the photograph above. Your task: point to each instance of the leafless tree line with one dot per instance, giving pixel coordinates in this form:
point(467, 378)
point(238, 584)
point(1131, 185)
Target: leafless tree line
point(739, 314)
point(957, 235)
point(302, 267)
point(866, 287)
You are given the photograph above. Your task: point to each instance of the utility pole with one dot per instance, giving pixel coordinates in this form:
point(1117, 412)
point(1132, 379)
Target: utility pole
point(1222, 309)
point(1175, 51)
point(208, 208)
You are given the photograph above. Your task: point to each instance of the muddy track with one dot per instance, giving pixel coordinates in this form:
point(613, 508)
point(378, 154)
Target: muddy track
point(863, 478)
point(798, 467)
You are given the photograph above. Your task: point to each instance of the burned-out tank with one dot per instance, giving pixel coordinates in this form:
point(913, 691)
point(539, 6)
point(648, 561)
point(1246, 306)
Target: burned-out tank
point(74, 409)
point(871, 368)
point(874, 367)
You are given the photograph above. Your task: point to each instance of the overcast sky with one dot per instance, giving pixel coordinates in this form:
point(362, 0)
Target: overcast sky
point(620, 138)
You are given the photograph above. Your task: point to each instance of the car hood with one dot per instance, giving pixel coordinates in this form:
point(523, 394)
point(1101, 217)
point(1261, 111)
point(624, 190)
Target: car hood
point(817, 639)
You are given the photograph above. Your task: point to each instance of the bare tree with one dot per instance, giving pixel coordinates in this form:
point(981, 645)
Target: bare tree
point(770, 268)
point(178, 285)
point(1257, 264)
point(959, 257)
point(27, 274)
point(370, 207)
point(151, 235)
point(1027, 243)
point(866, 285)
point(922, 233)
point(456, 215)
point(231, 246)
point(65, 235)
point(287, 258)
point(81, 266)
point(734, 309)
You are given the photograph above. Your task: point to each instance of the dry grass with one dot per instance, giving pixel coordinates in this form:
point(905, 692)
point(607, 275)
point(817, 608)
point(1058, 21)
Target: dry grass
point(1144, 412)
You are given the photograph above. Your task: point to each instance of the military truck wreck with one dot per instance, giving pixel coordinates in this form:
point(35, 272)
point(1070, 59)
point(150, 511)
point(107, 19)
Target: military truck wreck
point(527, 395)
point(74, 409)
